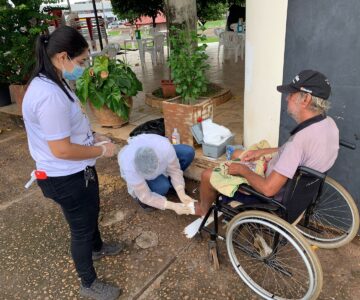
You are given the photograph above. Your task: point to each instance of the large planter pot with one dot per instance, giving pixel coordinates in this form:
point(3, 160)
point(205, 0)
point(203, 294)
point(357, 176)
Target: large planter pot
point(4, 94)
point(183, 116)
point(17, 92)
point(107, 118)
point(168, 88)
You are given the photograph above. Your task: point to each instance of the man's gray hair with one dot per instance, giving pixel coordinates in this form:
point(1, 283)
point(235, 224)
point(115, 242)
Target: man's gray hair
point(146, 161)
point(318, 104)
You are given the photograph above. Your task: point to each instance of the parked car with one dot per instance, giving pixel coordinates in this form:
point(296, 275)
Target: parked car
point(115, 24)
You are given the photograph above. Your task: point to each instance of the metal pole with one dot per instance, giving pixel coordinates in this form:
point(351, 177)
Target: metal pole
point(97, 24)
point(68, 2)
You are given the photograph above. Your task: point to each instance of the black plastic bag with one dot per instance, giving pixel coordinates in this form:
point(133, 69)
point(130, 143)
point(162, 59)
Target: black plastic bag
point(156, 126)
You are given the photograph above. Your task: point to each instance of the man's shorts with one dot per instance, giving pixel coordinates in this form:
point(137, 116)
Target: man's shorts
point(240, 197)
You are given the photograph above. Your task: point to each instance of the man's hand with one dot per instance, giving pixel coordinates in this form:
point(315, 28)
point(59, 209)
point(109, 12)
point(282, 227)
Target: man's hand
point(252, 155)
point(237, 169)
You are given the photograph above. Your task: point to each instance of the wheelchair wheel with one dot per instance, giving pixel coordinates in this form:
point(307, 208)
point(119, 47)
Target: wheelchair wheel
point(334, 221)
point(272, 258)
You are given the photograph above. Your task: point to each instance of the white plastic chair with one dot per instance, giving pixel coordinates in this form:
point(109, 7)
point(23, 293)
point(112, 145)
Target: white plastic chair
point(217, 31)
point(154, 46)
point(230, 42)
point(242, 45)
point(111, 50)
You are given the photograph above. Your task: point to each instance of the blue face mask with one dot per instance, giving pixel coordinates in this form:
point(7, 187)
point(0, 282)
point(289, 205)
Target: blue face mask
point(75, 74)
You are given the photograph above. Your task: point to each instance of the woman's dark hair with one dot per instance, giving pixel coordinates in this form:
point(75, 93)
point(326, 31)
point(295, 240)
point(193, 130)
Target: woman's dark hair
point(64, 38)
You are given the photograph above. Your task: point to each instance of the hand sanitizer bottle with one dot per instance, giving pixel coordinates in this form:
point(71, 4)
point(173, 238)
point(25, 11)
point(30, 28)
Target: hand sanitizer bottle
point(175, 137)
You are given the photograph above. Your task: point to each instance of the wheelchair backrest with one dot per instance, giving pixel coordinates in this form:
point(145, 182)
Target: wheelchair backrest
point(301, 191)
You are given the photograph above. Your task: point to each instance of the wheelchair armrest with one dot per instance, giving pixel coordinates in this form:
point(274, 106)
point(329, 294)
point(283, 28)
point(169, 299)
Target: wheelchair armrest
point(247, 188)
point(306, 170)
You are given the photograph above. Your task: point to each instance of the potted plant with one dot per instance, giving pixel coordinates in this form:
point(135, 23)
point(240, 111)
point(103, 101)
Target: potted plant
point(20, 25)
point(108, 86)
point(188, 63)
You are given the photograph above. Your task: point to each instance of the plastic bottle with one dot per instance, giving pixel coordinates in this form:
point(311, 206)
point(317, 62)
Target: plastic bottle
point(239, 25)
point(175, 137)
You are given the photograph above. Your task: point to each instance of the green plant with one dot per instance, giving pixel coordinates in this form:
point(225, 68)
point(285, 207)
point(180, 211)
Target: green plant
point(20, 24)
point(107, 83)
point(188, 63)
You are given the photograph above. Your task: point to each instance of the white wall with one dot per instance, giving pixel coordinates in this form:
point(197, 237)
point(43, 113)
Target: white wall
point(265, 47)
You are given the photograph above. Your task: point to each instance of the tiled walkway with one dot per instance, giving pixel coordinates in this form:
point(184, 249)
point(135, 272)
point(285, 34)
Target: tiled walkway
point(227, 74)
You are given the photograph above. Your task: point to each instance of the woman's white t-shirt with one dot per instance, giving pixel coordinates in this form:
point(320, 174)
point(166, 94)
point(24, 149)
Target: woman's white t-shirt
point(49, 115)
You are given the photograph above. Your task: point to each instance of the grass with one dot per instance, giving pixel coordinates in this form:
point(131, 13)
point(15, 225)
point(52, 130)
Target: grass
point(210, 39)
point(114, 33)
point(214, 24)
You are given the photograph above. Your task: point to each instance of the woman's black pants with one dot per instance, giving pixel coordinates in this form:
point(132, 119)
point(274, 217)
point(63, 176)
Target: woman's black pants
point(80, 205)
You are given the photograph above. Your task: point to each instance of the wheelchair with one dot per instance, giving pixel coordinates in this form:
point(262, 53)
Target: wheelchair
point(271, 243)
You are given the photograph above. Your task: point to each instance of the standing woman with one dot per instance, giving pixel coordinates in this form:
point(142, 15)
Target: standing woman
point(62, 144)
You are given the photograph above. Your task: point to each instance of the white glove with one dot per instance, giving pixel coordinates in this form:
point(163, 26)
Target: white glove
point(100, 138)
point(108, 149)
point(179, 208)
point(182, 195)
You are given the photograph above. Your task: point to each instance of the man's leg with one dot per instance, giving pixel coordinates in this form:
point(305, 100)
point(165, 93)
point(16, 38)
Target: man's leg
point(159, 185)
point(207, 194)
point(185, 155)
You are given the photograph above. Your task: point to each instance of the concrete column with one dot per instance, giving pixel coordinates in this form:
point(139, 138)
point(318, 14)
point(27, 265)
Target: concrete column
point(265, 48)
point(182, 12)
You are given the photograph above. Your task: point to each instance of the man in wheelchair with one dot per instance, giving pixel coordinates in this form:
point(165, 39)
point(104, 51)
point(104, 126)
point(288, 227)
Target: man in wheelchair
point(313, 143)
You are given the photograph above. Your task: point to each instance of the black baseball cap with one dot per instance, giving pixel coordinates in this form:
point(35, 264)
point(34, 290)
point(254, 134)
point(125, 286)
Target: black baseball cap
point(308, 81)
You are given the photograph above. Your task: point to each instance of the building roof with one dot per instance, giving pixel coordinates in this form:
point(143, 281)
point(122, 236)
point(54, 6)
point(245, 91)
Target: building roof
point(145, 20)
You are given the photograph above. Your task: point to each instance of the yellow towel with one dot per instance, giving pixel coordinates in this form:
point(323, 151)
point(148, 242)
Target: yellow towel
point(228, 184)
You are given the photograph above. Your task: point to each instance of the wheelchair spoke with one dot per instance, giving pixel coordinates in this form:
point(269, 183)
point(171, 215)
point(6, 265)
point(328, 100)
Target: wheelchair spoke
point(334, 219)
point(273, 265)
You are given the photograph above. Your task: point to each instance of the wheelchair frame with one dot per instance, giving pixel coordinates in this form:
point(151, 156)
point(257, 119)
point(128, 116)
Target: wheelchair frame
point(284, 210)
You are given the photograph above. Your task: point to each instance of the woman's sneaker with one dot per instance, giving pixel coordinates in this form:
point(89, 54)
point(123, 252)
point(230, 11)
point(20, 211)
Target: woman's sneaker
point(108, 249)
point(100, 291)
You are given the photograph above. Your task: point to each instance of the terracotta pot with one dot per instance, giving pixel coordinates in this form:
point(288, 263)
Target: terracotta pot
point(17, 92)
point(4, 95)
point(183, 116)
point(107, 118)
point(168, 88)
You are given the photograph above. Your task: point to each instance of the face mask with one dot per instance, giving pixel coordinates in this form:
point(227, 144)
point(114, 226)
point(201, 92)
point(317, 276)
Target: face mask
point(75, 74)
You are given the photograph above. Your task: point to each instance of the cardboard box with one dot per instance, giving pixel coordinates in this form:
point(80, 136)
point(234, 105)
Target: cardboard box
point(210, 150)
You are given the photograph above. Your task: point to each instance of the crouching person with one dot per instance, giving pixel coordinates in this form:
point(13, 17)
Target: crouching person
point(150, 165)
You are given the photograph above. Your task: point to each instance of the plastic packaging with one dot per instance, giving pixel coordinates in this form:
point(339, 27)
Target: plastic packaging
point(175, 137)
point(231, 148)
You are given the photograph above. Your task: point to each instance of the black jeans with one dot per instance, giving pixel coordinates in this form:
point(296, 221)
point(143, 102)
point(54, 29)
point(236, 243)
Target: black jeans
point(80, 205)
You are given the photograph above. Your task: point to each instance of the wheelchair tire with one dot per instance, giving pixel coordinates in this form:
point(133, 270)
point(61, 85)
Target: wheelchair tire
point(272, 257)
point(335, 218)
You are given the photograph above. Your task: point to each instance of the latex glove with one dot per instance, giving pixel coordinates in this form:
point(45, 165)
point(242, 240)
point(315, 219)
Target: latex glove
point(108, 149)
point(100, 138)
point(182, 195)
point(179, 208)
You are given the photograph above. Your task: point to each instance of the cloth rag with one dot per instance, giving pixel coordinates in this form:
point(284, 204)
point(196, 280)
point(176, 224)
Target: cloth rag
point(228, 184)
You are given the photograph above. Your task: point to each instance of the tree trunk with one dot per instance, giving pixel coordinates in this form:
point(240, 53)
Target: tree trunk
point(182, 12)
